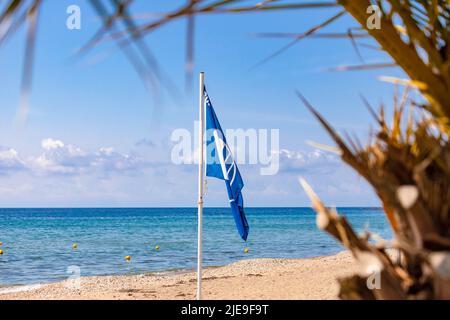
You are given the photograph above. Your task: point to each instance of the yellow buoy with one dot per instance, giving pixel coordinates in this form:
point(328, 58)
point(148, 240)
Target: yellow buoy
point(246, 250)
point(127, 258)
point(1, 251)
point(157, 248)
point(1, 243)
point(75, 246)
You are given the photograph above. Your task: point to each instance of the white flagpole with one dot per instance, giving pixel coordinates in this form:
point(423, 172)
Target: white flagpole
point(200, 187)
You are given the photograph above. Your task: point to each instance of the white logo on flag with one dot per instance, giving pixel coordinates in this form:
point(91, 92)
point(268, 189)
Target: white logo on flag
point(220, 146)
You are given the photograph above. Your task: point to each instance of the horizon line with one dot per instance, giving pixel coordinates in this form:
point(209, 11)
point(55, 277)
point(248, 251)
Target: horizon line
point(194, 207)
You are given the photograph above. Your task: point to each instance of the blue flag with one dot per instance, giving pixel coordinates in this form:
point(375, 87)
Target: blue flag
point(220, 164)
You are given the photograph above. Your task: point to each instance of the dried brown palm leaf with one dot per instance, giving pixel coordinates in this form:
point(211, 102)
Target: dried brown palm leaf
point(408, 166)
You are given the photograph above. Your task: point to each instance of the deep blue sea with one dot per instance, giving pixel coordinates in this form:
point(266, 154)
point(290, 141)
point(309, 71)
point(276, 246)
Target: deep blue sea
point(37, 243)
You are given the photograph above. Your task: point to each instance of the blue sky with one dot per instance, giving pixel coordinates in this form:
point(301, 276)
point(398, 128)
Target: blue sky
point(96, 137)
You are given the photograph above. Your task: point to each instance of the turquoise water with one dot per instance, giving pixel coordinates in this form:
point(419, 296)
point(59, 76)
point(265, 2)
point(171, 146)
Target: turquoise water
point(37, 243)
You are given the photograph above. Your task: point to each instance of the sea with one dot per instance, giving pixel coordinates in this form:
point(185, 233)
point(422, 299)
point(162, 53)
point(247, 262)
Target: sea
point(38, 244)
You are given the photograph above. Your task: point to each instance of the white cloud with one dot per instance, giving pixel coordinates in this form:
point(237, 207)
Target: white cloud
point(109, 159)
point(307, 161)
point(64, 174)
point(63, 158)
point(50, 143)
point(10, 160)
point(331, 178)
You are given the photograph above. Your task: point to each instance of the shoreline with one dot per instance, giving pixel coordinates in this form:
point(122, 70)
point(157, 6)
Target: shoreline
point(262, 278)
point(158, 273)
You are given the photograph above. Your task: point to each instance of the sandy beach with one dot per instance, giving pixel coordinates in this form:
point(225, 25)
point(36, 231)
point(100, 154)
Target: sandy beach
point(312, 278)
